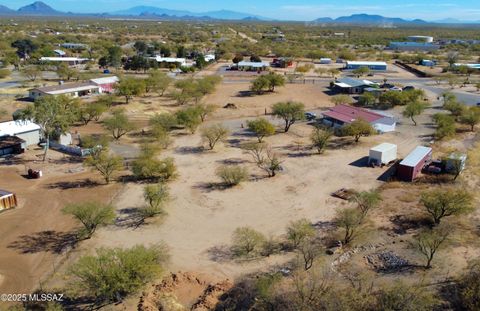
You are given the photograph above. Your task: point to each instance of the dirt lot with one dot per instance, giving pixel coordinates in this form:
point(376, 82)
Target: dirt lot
point(200, 220)
point(36, 234)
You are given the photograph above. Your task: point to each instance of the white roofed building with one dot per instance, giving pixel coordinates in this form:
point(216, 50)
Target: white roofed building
point(71, 89)
point(24, 129)
point(72, 61)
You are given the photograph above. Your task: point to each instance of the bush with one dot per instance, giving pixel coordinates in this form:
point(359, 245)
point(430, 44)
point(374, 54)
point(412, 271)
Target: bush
point(155, 196)
point(91, 215)
point(247, 241)
point(320, 138)
point(261, 127)
point(113, 274)
point(147, 166)
point(213, 134)
point(232, 175)
point(4, 73)
point(298, 231)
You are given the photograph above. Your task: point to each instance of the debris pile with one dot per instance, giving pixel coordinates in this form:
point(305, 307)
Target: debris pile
point(386, 261)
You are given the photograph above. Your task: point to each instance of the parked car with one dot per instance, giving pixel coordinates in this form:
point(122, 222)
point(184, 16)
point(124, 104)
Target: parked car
point(106, 71)
point(478, 104)
point(310, 116)
point(408, 88)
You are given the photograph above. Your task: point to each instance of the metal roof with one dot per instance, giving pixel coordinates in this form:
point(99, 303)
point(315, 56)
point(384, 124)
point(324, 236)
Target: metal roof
point(67, 88)
point(5, 193)
point(63, 59)
point(417, 155)
point(348, 114)
point(351, 82)
point(12, 128)
point(105, 80)
point(254, 64)
point(366, 63)
point(384, 147)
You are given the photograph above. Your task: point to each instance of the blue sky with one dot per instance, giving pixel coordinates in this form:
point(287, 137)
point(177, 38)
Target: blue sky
point(285, 9)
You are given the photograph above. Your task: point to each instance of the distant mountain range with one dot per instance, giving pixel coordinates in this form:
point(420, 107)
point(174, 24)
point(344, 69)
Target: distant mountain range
point(39, 8)
point(366, 19)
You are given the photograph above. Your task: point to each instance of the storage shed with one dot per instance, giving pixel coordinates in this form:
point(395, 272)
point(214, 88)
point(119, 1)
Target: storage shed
point(413, 164)
point(7, 200)
point(382, 154)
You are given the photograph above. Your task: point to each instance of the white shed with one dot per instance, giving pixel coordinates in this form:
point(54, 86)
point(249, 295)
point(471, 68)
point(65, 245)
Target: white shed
point(382, 154)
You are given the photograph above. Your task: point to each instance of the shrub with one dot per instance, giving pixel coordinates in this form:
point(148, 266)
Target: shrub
point(155, 196)
point(261, 127)
point(232, 175)
point(298, 231)
point(213, 134)
point(4, 73)
point(112, 274)
point(91, 215)
point(320, 138)
point(246, 241)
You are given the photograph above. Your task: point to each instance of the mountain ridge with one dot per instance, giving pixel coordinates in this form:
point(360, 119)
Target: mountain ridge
point(39, 8)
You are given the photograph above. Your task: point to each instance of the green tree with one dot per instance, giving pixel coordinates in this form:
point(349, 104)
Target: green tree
point(66, 73)
point(54, 115)
point(105, 163)
point(428, 242)
point(349, 220)
point(274, 80)
point(445, 125)
point(213, 134)
point(92, 111)
point(358, 128)
point(110, 275)
point(298, 231)
point(91, 215)
point(130, 87)
point(361, 71)
point(290, 112)
point(320, 139)
point(157, 82)
point(246, 241)
point(471, 117)
point(367, 200)
point(31, 72)
point(118, 124)
point(165, 120)
point(205, 110)
point(114, 57)
point(261, 127)
point(156, 196)
point(148, 167)
point(259, 85)
point(414, 109)
point(341, 99)
point(190, 118)
point(367, 99)
point(455, 107)
point(442, 203)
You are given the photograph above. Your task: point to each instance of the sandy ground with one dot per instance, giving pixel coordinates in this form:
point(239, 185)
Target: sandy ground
point(200, 220)
point(311, 95)
point(35, 234)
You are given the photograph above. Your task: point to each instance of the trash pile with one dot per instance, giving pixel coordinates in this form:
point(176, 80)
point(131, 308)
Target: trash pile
point(386, 261)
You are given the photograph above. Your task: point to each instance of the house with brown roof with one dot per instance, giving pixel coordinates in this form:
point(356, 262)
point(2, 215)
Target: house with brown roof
point(78, 89)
